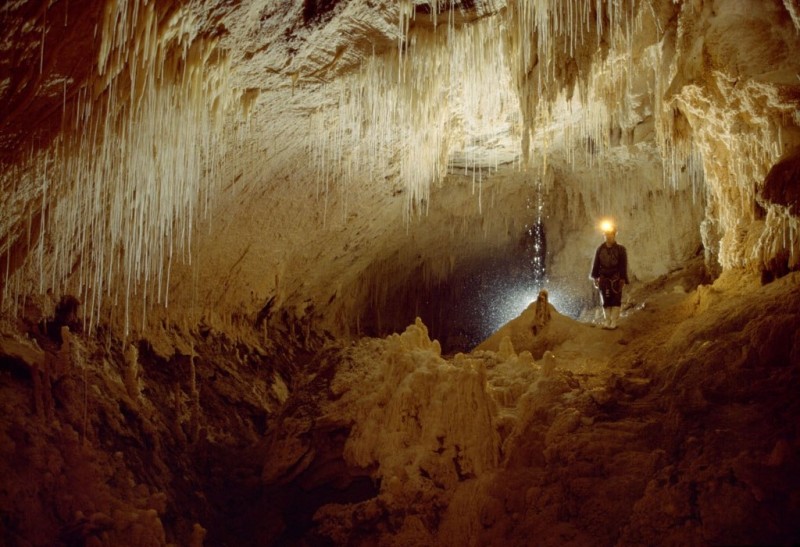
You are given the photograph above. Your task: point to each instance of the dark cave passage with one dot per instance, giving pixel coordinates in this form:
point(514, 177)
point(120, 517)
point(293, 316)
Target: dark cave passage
point(479, 297)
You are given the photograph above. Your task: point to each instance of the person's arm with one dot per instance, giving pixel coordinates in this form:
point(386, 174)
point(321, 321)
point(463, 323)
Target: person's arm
point(595, 268)
point(623, 265)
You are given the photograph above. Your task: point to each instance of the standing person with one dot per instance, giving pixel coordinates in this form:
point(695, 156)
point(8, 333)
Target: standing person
point(610, 274)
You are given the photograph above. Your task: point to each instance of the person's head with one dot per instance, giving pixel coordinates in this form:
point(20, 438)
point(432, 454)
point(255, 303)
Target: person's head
point(609, 231)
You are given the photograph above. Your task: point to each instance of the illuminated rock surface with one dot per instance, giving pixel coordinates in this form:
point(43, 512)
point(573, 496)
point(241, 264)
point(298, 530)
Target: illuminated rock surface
point(221, 222)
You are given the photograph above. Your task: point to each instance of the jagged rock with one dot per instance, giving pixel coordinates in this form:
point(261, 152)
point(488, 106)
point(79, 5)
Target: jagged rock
point(242, 244)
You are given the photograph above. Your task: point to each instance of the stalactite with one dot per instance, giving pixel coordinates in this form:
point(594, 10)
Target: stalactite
point(413, 109)
point(793, 7)
point(123, 187)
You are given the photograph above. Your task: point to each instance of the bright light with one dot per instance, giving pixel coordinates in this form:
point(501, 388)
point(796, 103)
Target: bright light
point(513, 302)
point(607, 226)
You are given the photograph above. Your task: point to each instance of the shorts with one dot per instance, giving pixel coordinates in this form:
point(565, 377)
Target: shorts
point(610, 291)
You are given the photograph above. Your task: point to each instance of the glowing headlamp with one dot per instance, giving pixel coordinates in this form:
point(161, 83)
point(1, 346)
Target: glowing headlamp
point(607, 226)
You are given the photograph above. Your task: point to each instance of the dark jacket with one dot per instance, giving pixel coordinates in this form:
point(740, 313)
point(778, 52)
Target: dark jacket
point(610, 262)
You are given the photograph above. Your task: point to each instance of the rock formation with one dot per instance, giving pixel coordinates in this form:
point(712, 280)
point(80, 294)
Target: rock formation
point(268, 272)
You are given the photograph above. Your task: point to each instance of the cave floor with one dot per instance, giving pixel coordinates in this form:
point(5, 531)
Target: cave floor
point(679, 427)
point(682, 426)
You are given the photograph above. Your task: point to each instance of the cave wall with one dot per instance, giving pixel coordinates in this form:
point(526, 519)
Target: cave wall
point(701, 95)
point(737, 91)
point(113, 441)
point(657, 224)
point(463, 281)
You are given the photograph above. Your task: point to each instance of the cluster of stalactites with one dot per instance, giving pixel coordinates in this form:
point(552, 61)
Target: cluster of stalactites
point(584, 92)
point(445, 9)
point(414, 112)
point(406, 112)
point(121, 188)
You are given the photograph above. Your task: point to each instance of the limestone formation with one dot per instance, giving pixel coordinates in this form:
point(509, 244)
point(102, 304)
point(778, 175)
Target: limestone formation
point(315, 272)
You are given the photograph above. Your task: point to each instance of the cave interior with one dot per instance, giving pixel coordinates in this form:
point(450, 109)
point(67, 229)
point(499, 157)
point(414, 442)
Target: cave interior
point(316, 272)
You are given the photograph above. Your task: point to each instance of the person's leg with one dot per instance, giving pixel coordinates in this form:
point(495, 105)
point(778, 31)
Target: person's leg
point(604, 287)
point(617, 305)
point(612, 301)
point(607, 314)
point(614, 313)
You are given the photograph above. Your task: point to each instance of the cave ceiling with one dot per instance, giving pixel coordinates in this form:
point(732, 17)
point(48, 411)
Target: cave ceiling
point(207, 158)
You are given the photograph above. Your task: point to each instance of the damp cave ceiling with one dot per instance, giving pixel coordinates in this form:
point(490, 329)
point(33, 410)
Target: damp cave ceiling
point(208, 156)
